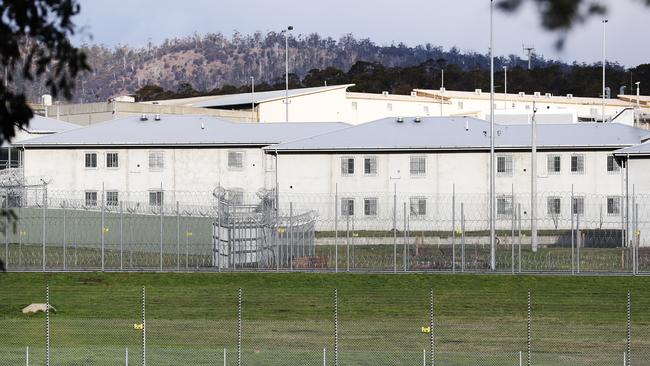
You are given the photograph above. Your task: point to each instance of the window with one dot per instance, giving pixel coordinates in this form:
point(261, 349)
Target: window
point(554, 206)
point(370, 206)
point(504, 165)
point(112, 198)
point(347, 206)
point(235, 159)
point(236, 196)
point(612, 165)
point(370, 165)
point(389, 107)
point(91, 198)
point(554, 164)
point(354, 106)
point(418, 206)
point(91, 160)
point(347, 166)
point(418, 165)
point(578, 206)
point(504, 206)
point(156, 198)
point(613, 206)
point(156, 160)
point(578, 164)
point(112, 160)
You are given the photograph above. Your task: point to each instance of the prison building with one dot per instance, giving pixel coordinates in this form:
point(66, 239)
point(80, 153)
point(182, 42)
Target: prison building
point(425, 160)
point(152, 154)
point(637, 160)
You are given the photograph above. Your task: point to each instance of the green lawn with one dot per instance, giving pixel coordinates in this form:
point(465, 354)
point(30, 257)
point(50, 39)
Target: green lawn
point(287, 319)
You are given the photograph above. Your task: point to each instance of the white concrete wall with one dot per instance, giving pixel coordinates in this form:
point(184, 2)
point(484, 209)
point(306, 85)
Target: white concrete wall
point(639, 175)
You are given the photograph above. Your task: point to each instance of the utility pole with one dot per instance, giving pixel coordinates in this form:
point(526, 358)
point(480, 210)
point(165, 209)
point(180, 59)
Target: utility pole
point(533, 182)
point(286, 73)
point(604, 63)
point(492, 178)
point(529, 50)
point(442, 89)
point(505, 87)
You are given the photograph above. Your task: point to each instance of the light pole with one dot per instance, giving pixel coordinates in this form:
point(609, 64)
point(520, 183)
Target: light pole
point(505, 87)
point(286, 73)
point(492, 193)
point(442, 89)
point(604, 62)
point(638, 93)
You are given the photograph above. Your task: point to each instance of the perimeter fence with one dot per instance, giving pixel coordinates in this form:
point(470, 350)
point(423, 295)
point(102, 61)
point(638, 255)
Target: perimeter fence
point(95, 325)
point(387, 232)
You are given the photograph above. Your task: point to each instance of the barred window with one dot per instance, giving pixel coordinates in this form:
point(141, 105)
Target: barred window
point(156, 160)
point(554, 164)
point(112, 160)
point(418, 165)
point(504, 165)
point(578, 164)
point(504, 206)
point(156, 198)
point(112, 198)
point(370, 165)
point(418, 206)
point(370, 206)
point(613, 205)
point(347, 165)
point(578, 206)
point(612, 165)
point(554, 206)
point(235, 159)
point(90, 160)
point(91, 198)
point(347, 206)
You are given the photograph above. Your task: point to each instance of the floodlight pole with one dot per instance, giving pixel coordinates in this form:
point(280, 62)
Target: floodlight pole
point(286, 73)
point(603, 111)
point(505, 87)
point(533, 182)
point(492, 178)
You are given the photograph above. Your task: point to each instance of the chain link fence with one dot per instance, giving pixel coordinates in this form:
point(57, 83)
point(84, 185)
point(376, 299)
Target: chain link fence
point(387, 232)
point(90, 324)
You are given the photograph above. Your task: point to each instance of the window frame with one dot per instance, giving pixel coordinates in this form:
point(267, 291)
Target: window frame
point(557, 207)
point(417, 174)
point(242, 160)
point(346, 172)
point(508, 168)
point(578, 209)
point(553, 157)
point(158, 201)
point(508, 206)
point(373, 158)
point(615, 206)
point(162, 159)
point(348, 208)
point(616, 168)
point(108, 161)
point(370, 202)
point(86, 153)
point(578, 157)
point(89, 202)
point(112, 203)
point(416, 201)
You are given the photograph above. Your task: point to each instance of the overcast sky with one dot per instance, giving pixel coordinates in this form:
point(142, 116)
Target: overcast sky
point(460, 23)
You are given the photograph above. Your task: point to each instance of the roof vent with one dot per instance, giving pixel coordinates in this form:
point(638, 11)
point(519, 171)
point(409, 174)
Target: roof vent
point(144, 117)
point(414, 94)
point(537, 94)
point(548, 95)
point(384, 93)
point(202, 125)
point(478, 91)
point(466, 125)
point(522, 94)
point(157, 117)
point(400, 120)
point(417, 120)
point(569, 96)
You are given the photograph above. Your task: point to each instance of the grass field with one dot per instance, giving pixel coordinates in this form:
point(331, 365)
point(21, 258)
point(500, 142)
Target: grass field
point(287, 319)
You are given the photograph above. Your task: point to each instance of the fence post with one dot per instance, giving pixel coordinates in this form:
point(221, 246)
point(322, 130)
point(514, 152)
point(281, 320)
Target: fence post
point(432, 328)
point(513, 213)
point(395, 230)
point(103, 226)
point(27, 356)
point(572, 233)
point(629, 329)
point(224, 357)
point(519, 235)
point(143, 320)
point(219, 245)
point(462, 237)
point(579, 242)
point(162, 207)
point(7, 230)
point(453, 228)
point(43, 225)
point(121, 236)
point(324, 356)
point(336, 327)
point(65, 242)
point(178, 237)
point(336, 229)
point(239, 327)
point(47, 325)
point(126, 357)
point(347, 240)
point(353, 246)
point(290, 236)
point(528, 329)
point(405, 239)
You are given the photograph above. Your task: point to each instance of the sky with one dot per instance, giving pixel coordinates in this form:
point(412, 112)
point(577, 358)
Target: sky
point(460, 23)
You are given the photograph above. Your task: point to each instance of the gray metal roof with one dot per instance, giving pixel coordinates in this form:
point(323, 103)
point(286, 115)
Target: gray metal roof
point(642, 149)
point(39, 124)
point(258, 97)
point(182, 130)
point(464, 133)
